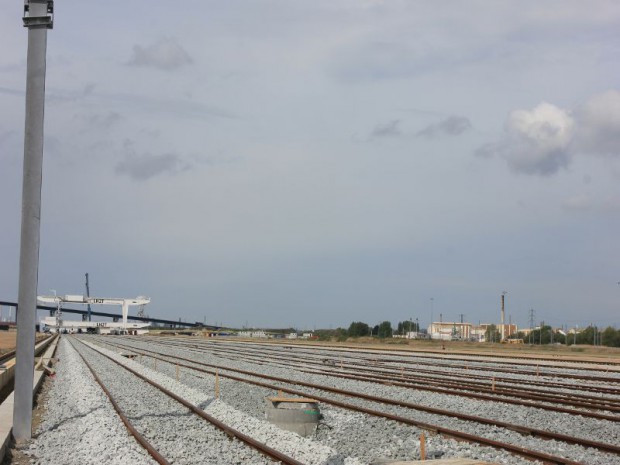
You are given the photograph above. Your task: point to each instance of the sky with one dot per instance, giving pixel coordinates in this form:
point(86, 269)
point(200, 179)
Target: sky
point(313, 163)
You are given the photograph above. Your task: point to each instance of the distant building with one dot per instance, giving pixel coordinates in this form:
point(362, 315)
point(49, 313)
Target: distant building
point(309, 335)
point(449, 331)
point(507, 330)
point(258, 334)
point(452, 331)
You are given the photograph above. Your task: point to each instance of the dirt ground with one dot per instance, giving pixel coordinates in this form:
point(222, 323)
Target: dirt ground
point(8, 338)
point(7, 341)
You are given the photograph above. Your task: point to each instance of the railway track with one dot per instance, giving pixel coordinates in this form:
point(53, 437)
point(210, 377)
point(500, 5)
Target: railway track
point(525, 358)
point(229, 432)
point(534, 455)
point(7, 356)
point(489, 393)
point(451, 363)
point(458, 388)
point(464, 371)
point(132, 430)
point(11, 354)
point(438, 363)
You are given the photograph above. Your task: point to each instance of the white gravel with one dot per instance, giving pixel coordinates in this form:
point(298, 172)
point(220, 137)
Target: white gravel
point(80, 423)
point(373, 438)
point(302, 449)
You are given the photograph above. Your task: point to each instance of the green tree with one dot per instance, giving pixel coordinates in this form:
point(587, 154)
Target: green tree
point(611, 337)
point(329, 334)
point(406, 326)
point(546, 335)
point(358, 329)
point(385, 329)
point(559, 337)
point(492, 334)
point(586, 336)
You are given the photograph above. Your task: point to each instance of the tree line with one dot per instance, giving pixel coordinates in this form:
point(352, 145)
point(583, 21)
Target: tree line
point(591, 335)
point(360, 329)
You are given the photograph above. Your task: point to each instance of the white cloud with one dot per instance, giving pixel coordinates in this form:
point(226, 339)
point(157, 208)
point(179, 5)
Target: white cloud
point(142, 167)
point(535, 141)
point(539, 139)
point(545, 139)
point(166, 54)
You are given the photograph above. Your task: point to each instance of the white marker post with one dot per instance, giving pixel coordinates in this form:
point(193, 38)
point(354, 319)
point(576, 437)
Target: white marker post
point(38, 19)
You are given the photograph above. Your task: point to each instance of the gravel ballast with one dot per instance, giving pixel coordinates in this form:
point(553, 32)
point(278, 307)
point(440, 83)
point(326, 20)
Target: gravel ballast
point(371, 438)
point(80, 423)
point(301, 449)
point(344, 436)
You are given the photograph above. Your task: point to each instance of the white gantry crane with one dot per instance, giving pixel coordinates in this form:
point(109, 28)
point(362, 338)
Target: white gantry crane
point(58, 300)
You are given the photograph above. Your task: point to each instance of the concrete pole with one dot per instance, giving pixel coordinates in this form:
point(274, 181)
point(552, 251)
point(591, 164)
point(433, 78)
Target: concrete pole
point(503, 327)
point(37, 21)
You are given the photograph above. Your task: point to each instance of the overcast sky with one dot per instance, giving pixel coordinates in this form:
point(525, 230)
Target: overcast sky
point(311, 163)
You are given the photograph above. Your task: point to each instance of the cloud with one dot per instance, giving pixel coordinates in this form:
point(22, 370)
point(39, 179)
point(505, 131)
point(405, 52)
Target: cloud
point(545, 139)
point(166, 54)
point(535, 141)
point(390, 129)
point(451, 126)
point(143, 167)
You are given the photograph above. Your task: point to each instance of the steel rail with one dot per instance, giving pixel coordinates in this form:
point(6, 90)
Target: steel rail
point(538, 372)
point(443, 353)
point(442, 374)
point(263, 448)
point(11, 354)
point(453, 433)
point(578, 400)
point(7, 356)
point(490, 396)
point(436, 362)
point(424, 383)
point(392, 382)
point(134, 432)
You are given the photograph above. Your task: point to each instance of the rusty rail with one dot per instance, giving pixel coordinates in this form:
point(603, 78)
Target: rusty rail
point(263, 448)
point(490, 395)
point(134, 432)
point(536, 455)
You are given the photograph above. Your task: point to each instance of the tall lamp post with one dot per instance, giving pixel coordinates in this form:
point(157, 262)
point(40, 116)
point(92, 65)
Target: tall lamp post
point(38, 19)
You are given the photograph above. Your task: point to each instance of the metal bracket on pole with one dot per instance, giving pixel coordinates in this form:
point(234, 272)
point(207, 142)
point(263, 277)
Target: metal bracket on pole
point(38, 21)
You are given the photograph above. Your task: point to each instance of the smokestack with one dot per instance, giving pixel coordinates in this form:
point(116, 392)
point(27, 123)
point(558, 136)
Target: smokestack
point(502, 330)
point(502, 309)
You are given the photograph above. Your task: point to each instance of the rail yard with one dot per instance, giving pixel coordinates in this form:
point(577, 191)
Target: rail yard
point(164, 399)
